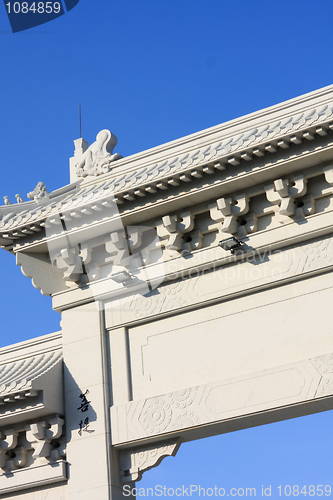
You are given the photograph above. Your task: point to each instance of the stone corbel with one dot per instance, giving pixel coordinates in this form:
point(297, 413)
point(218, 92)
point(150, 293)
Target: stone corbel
point(283, 193)
point(7, 443)
point(92, 268)
point(306, 208)
point(69, 262)
point(3, 458)
point(250, 226)
point(167, 230)
point(135, 461)
point(117, 247)
point(134, 238)
point(228, 210)
point(86, 253)
point(194, 242)
point(9, 439)
point(11, 457)
point(41, 436)
point(17, 459)
point(328, 172)
point(172, 230)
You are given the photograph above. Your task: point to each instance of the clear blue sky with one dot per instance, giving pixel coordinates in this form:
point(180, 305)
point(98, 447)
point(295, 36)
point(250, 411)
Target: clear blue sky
point(153, 71)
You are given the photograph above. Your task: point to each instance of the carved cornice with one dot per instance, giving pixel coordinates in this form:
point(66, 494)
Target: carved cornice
point(201, 155)
point(77, 237)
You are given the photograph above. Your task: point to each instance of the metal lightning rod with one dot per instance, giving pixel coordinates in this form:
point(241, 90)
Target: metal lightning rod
point(80, 118)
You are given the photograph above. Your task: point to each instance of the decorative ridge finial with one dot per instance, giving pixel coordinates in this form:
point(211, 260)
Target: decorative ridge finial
point(39, 194)
point(95, 159)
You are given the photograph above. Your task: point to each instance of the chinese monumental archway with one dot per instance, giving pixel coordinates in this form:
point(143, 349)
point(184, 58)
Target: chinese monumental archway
point(168, 336)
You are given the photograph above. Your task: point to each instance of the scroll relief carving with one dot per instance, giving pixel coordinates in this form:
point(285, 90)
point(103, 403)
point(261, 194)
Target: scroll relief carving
point(35, 442)
point(319, 254)
point(285, 192)
point(96, 159)
point(135, 461)
point(170, 296)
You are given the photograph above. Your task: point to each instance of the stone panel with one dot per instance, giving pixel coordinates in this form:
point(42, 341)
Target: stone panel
point(208, 405)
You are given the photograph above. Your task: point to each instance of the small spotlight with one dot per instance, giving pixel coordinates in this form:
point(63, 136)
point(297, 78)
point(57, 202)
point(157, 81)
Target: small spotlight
point(122, 277)
point(231, 244)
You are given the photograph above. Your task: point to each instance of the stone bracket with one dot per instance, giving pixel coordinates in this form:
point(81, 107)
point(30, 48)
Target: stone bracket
point(171, 229)
point(283, 193)
point(228, 210)
point(8, 441)
point(328, 171)
point(135, 461)
point(42, 434)
point(40, 437)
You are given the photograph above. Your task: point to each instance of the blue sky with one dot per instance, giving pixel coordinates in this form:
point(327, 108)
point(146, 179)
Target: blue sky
point(152, 72)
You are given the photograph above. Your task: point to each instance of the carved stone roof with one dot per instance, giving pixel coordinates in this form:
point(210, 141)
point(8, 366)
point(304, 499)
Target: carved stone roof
point(31, 386)
point(214, 151)
point(18, 378)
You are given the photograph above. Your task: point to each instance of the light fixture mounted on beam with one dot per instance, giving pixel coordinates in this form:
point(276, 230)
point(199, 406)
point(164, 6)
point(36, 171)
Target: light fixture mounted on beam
point(123, 277)
point(231, 244)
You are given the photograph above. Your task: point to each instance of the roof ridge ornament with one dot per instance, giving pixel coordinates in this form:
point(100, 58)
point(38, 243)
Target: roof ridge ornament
point(95, 160)
point(39, 194)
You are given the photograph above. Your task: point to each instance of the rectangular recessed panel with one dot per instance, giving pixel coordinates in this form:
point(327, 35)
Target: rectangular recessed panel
point(257, 332)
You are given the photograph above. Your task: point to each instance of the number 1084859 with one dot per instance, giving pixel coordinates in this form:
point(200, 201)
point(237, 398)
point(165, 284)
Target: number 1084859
point(35, 7)
point(311, 490)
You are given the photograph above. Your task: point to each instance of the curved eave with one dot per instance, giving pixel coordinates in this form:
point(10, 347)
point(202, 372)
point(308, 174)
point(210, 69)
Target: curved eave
point(31, 386)
point(218, 152)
